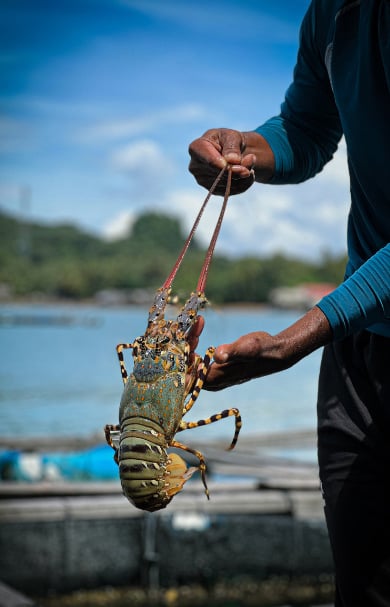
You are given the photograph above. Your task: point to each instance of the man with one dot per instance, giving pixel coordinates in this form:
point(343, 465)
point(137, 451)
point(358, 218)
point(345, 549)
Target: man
point(341, 85)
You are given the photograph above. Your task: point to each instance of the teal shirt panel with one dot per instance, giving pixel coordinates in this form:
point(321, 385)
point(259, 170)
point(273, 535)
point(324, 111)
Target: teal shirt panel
point(341, 86)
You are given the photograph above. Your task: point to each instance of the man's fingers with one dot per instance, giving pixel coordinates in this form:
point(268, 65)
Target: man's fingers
point(193, 336)
point(222, 354)
point(204, 151)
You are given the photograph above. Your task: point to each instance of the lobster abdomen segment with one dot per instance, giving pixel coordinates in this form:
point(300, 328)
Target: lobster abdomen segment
point(150, 477)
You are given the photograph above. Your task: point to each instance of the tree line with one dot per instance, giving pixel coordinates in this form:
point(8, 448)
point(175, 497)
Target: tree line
point(64, 261)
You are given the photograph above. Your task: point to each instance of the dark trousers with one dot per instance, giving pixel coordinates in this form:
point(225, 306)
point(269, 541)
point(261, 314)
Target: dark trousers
point(354, 459)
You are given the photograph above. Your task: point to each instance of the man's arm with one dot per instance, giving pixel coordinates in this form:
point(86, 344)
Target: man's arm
point(258, 354)
point(305, 135)
point(358, 303)
point(363, 300)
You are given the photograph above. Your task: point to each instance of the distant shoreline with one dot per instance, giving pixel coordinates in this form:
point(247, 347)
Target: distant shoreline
point(91, 303)
point(293, 439)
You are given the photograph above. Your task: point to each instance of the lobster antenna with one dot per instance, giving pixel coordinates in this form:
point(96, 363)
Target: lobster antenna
point(205, 268)
point(173, 273)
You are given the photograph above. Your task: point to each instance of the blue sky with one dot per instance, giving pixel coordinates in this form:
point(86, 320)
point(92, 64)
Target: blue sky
point(99, 100)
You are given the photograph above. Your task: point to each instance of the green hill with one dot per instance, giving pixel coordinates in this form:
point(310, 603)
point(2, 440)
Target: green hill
point(64, 261)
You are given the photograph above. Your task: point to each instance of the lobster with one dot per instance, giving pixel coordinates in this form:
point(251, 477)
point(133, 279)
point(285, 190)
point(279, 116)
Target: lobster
point(164, 385)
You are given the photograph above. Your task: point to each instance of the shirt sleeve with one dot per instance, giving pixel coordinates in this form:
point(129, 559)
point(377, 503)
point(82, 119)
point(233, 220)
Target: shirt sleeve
point(363, 300)
point(304, 136)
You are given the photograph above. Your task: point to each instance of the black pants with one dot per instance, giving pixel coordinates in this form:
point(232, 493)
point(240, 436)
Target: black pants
point(354, 458)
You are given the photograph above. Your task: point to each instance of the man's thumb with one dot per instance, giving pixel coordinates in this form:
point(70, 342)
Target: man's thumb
point(221, 354)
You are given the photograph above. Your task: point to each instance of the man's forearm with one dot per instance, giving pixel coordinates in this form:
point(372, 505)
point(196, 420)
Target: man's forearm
point(307, 334)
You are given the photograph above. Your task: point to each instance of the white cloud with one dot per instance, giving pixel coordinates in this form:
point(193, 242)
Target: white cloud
point(53, 107)
point(142, 124)
point(146, 171)
point(10, 193)
point(119, 225)
point(247, 22)
point(301, 220)
point(140, 157)
point(336, 171)
point(15, 135)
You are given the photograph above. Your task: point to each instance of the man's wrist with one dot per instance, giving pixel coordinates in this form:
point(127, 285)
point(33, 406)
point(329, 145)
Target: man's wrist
point(265, 161)
point(310, 332)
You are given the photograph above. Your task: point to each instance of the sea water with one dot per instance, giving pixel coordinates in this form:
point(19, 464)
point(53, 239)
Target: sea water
point(59, 373)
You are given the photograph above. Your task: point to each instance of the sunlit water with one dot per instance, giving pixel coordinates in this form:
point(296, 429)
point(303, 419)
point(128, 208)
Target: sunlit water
point(60, 375)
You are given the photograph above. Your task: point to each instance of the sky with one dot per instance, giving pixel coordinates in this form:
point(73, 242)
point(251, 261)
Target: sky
point(99, 100)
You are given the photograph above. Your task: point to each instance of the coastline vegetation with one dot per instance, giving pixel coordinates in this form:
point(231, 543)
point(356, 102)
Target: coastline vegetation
point(63, 261)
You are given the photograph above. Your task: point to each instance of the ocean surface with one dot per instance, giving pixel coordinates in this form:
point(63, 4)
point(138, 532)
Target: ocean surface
point(59, 373)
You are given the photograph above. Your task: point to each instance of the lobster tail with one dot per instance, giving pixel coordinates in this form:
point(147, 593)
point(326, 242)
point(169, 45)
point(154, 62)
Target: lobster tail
point(150, 477)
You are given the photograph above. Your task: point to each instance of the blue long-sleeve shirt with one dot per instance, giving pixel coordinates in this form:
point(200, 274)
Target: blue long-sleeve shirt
point(341, 85)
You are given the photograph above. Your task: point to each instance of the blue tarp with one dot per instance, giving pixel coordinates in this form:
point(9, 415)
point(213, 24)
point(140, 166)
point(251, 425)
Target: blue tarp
point(94, 464)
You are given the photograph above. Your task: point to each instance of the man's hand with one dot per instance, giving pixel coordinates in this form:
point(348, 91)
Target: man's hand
point(253, 355)
point(248, 154)
point(258, 354)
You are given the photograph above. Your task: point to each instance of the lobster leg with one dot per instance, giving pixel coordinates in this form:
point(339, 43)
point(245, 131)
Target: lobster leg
point(202, 463)
point(216, 418)
point(201, 376)
point(108, 428)
point(119, 351)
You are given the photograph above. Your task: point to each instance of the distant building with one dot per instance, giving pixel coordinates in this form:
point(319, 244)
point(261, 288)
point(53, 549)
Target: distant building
point(123, 297)
point(302, 297)
point(5, 291)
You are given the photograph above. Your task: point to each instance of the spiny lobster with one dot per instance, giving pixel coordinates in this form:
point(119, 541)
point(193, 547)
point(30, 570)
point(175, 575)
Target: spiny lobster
point(153, 402)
